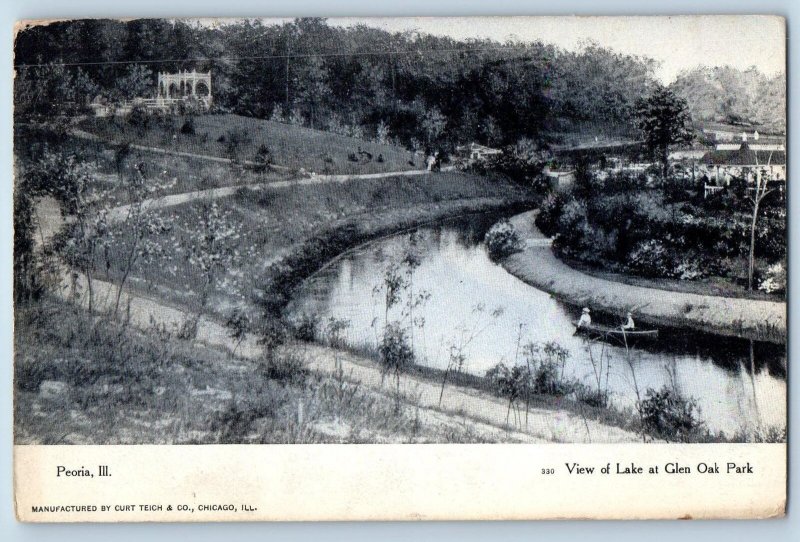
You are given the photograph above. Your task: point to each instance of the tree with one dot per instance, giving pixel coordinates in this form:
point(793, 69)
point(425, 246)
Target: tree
point(51, 89)
point(312, 87)
point(433, 125)
point(26, 279)
point(141, 227)
point(210, 253)
point(263, 159)
point(664, 120)
point(760, 191)
point(136, 83)
point(396, 355)
point(71, 182)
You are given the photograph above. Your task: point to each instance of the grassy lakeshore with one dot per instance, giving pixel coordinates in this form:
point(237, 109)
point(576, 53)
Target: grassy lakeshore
point(88, 380)
point(91, 380)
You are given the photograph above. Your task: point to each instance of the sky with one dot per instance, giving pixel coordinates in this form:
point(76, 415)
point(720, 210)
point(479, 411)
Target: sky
point(677, 43)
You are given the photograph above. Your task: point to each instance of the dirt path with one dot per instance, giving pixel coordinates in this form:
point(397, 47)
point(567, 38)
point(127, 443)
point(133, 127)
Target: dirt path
point(539, 267)
point(119, 213)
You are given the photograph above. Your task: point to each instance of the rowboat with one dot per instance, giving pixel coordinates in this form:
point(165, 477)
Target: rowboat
point(595, 330)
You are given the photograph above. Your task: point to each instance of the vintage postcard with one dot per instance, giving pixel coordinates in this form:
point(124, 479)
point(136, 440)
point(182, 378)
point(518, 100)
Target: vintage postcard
point(400, 268)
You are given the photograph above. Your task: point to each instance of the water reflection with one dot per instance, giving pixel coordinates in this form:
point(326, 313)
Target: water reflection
point(477, 309)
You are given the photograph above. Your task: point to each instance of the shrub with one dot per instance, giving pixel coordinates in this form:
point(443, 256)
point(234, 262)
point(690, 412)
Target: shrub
point(188, 126)
point(296, 117)
point(667, 415)
point(238, 325)
point(650, 258)
point(29, 373)
point(188, 329)
point(285, 368)
point(510, 383)
point(770, 434)
point(277, 114)
point(396, 355)
point(305, 327)
point(591, 396)
point(272, 335)
point(235, 422)
point(774, 280)
point(382, 133)
point(549, 212)
point(502, 241)
point(139, 117)
point(333, 331)
point(234, 141)
point(545, 380)
point(262, 159)
point(395, 351)
point(620, 225)
point(546, 362)
point(542, 373)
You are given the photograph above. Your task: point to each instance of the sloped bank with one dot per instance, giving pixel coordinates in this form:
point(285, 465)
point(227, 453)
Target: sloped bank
point(745, 318)
point(286, 274)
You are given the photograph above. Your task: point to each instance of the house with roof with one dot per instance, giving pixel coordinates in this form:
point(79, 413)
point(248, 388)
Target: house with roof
point(475, 152)
point(721, 166)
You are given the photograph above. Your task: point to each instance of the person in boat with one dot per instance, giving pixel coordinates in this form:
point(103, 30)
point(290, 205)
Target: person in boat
point(585, 320)
point(629, 325)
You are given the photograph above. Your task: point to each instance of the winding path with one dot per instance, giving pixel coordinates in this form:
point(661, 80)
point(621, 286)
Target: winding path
point(539, 267)
point(161, 202)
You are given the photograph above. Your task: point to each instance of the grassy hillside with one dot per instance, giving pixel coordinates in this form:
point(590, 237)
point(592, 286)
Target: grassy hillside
point(256, 227)
point(172, 174)
point(291, 146)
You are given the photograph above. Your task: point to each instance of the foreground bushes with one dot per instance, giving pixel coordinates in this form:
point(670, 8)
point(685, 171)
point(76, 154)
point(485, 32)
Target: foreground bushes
point(541, 372)
point(87, 380)
point(669, 416)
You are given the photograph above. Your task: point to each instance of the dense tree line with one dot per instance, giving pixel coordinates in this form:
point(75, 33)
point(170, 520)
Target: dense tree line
point(725, 94)
point(422, 90)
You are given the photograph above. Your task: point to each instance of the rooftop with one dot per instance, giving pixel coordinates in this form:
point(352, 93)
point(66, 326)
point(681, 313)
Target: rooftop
point(745, 156)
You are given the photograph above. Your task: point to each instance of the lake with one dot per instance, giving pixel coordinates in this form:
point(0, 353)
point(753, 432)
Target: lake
point(463, 303)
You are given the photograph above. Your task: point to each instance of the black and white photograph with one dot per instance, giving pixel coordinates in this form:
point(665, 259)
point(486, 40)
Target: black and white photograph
point(400, 231)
